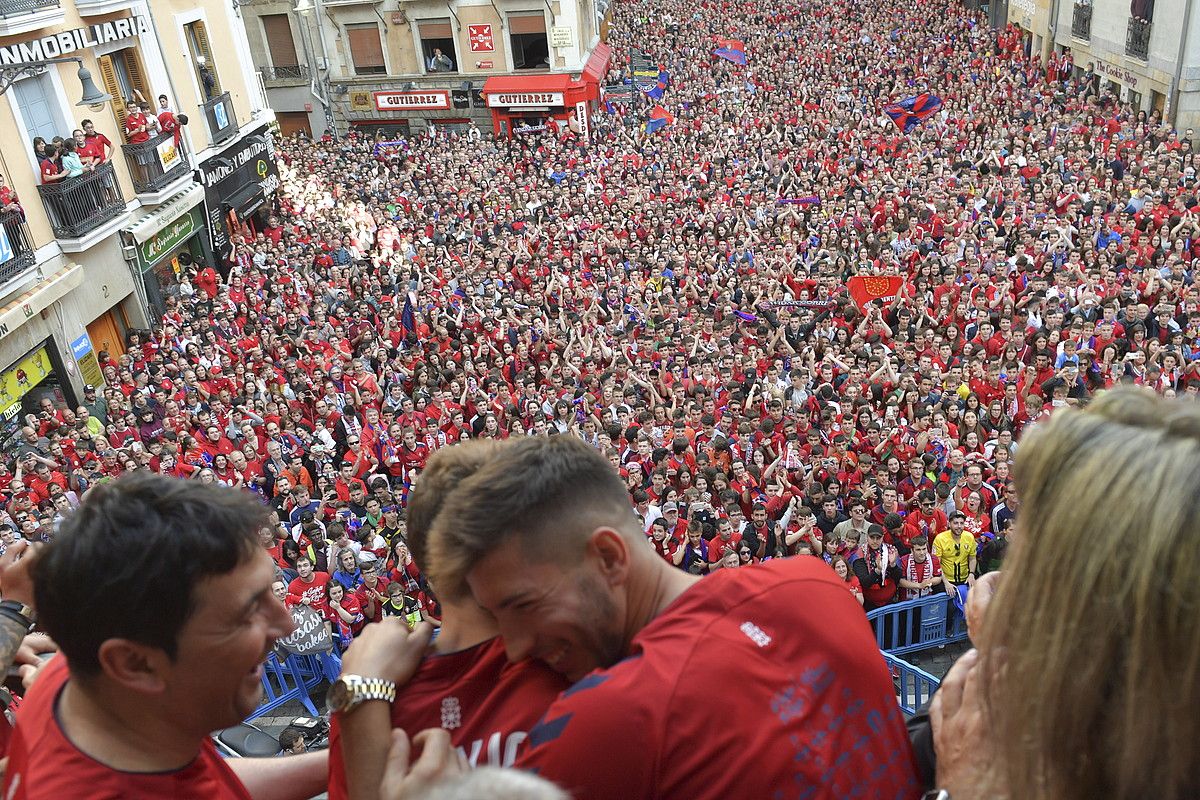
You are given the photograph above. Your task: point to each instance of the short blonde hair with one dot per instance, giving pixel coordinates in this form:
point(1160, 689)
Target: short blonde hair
point(444, 471)
point(1096, 692)
point(552, 492)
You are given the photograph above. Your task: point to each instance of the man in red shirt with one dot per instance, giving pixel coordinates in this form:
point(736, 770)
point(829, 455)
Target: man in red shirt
point(137, 125)
point(543, 537)
point(466, 686)
point(308, 588)
point(156, 663)
point(99, 146)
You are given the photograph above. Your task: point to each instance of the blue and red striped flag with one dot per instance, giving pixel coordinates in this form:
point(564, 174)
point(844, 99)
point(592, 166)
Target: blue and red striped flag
point(659, 118)
point(731, 50)
point(912, 111)
point(659, 89)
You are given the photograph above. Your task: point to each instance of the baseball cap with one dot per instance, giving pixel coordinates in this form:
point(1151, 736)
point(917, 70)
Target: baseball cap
point(669, 507)
point(89, 388)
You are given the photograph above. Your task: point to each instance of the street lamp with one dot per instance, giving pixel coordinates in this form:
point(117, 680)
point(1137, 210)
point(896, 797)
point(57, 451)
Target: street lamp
point(92, 96)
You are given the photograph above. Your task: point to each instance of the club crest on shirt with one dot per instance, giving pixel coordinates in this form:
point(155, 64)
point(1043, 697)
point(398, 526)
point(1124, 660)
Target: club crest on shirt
point(755, 634)
point(451, 713)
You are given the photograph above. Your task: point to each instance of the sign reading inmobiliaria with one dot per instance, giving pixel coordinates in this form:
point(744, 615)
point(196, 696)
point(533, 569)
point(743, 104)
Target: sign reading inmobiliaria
point(63, 44)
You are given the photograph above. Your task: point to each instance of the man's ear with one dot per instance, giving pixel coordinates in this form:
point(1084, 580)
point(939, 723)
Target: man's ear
point(134, 666)
point(613, 554)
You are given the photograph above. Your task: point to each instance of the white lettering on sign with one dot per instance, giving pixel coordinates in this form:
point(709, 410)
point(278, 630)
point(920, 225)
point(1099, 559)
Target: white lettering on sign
point(67, 42)
point(506, 99)
point(393, 101)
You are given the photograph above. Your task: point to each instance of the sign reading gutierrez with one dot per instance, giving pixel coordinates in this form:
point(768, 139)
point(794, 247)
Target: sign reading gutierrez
point(67, 42)
point(392, 101)
point(507, 99)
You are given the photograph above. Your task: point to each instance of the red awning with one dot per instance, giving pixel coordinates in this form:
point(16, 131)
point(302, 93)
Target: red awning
point(596, 68)
point(543, 82)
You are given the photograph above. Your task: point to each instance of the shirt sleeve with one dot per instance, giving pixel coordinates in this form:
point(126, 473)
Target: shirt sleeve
point(595, 742)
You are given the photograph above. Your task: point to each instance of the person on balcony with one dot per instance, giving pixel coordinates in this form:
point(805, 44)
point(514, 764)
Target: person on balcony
point(49, 167)
point(9, 200)
point(137, 125)
point(100, 147)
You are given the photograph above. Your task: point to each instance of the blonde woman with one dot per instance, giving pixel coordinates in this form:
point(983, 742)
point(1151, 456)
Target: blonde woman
point(1086, 683)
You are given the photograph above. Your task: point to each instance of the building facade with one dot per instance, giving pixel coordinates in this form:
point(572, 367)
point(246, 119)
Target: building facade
point(402, 66)
point(86, 258)
point(1145, 51)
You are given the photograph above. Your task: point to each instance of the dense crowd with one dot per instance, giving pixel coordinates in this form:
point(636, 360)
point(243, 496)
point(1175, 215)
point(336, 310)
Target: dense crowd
point(664, 297)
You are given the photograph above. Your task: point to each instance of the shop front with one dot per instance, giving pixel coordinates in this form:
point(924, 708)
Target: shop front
point(238, 184)
point(532, 104)
point(167, 241)
point(23, 384)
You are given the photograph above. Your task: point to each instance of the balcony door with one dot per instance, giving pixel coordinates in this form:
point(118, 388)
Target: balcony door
point(40, 109)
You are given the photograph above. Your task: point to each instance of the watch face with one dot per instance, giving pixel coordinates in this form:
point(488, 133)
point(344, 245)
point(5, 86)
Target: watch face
point(338, 696)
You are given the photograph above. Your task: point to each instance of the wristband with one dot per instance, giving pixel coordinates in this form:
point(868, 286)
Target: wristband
point(26, 612)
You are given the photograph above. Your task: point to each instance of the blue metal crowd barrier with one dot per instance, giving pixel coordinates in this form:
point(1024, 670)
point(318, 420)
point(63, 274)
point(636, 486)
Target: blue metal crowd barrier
point(294, 678)
point(918, 624)
point(914, 686)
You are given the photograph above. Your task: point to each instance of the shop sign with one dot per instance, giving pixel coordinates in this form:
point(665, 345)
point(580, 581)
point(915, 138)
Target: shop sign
point(480, 37)
point(434, 100)
point(64, 44)
point(85, 357)
point(1117, 74)
point(168, 154)
point(17, 380)
point(483, 65)
point(509, 99)
point(153, 249)
point(250, 161)
point(561, 36)
point(581, 117)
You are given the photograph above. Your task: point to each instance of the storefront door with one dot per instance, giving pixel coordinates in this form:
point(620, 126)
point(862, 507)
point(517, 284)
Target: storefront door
point(106, 336)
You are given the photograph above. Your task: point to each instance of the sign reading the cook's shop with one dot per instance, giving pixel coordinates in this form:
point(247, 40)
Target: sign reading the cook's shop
point(516, 99)
point(434, 100)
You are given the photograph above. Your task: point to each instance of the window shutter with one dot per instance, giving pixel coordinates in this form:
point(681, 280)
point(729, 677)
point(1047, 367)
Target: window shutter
point(435, 30)
point(201, 35)
point(278, 33)
point(366, 48)
point(526, 23)
point(109, 75)
point(133, 68)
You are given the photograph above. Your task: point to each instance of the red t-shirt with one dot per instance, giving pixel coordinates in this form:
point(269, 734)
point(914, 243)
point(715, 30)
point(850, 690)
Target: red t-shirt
point(810, 703)
point(487, 704)
point(44, 764)
point(315, 591)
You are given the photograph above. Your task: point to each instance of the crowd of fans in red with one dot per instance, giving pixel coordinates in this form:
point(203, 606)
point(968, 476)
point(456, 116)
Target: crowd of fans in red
point(641, 291)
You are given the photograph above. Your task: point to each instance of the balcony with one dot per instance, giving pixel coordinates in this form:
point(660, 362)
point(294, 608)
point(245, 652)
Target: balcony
point(157, 165)
point(294, 75)
point(219, 116)
point(80, 206)
point(1137, 39)
point(23, 16)
point(1081, 21)
point(16, 248)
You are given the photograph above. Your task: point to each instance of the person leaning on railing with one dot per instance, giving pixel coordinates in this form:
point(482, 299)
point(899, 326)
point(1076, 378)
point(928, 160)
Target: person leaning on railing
point(1096, 694)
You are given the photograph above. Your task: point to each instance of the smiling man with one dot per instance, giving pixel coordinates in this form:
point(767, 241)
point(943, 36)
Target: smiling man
point(160, 598)
point(544, 538)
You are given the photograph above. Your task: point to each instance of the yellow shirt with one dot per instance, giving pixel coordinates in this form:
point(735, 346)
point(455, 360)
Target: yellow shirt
point(955, 556)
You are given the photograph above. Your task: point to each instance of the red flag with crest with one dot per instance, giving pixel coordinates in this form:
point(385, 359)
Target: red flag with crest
point(867, 288)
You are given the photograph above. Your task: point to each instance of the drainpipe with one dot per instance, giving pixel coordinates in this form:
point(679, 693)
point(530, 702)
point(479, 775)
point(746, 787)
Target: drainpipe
point(1176, 79)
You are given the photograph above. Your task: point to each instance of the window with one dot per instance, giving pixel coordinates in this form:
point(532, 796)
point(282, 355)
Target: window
point(123, 78)
point(527, 37)
point(277, 30)
point(39, 110)
point(202, 60)
point(437, 45)
point(366, 49)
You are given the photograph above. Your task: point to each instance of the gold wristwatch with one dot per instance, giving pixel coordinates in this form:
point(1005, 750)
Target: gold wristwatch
point(350, 691)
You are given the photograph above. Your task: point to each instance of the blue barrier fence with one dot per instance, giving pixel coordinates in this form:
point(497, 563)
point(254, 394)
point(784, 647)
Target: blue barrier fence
point(294, 678)
point(914, 686)
point(917, 624)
